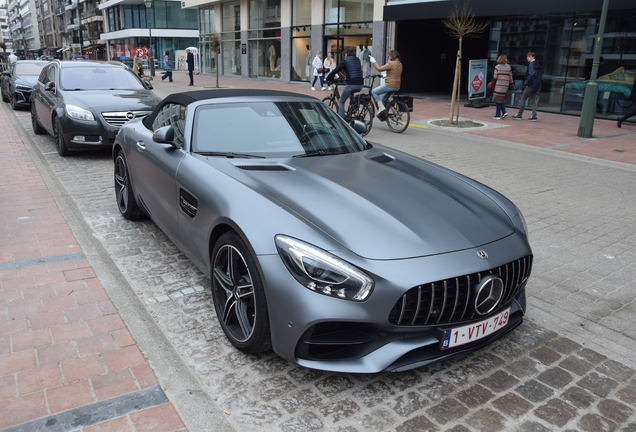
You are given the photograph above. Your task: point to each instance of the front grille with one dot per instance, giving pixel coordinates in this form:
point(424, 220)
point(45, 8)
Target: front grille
point(119, 118)
point(448, 301)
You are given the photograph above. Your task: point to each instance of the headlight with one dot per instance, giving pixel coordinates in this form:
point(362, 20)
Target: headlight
point(22, 87)
point(79, 113)
point(322, 272)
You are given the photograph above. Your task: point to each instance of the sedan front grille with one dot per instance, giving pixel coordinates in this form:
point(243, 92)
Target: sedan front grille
point(119, 118)
point(448, 301)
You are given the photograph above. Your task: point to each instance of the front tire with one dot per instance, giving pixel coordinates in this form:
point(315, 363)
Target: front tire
point(124, 193)
point(239, 297)
point(58, 135)
point(330, 101)
point(37, 129)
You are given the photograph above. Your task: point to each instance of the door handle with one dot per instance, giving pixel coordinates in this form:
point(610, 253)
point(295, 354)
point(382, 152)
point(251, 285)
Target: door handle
point(141, 146)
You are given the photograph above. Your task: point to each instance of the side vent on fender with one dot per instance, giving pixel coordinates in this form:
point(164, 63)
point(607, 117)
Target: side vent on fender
point(188, 203)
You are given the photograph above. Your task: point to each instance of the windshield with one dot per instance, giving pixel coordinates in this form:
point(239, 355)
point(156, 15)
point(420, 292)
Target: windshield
point(99, 78)
point(29, 68)
point(272, 129)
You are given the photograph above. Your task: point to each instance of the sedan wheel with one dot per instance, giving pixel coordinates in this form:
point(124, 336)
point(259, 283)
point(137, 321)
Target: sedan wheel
point(37, 129)
point(239, 298)
point(4, 98)
point(60, 143)
point(126, 201)
point(13, 103)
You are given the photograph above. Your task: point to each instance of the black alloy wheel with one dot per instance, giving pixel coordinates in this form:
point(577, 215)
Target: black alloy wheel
point(58, 135)
point(239, 297)
point(37, 128)
point(124, 194)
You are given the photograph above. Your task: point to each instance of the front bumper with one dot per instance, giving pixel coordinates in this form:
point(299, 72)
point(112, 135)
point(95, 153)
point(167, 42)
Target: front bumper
point(301, 320)
point(87, 135)
point(23, 97)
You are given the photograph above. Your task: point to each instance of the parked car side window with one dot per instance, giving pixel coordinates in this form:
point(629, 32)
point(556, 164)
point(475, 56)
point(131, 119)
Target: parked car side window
point(48, 74)
point(172, 115)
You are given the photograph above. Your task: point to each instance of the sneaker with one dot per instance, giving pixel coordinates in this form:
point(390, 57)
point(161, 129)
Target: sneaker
point(313, 88)
point(324, 88)
point(496, 117)
point(330, 88)
point(517, 117)
point(532, 119)
point(504, 115)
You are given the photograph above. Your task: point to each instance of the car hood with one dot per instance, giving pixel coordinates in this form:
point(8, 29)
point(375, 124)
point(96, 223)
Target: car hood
point(379, 206)
point(28, 80)
point(112, 100)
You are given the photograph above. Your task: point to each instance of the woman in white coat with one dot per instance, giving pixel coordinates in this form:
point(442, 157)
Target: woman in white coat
point(329, 64)
point(317, 64)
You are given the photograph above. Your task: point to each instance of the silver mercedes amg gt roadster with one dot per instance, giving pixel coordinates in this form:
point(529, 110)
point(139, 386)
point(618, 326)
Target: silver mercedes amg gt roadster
point(337, 253)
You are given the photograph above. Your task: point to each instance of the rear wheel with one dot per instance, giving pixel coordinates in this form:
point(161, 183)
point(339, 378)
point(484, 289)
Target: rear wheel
point(58, 135)
point(359, 110)
point(13, 102)
point(124, 194)
point(4, 97)
point(398, 116)
point(37, 129)
point(239, 297)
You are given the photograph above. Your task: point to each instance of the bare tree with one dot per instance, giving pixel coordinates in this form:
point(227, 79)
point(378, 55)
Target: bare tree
point(461, 23)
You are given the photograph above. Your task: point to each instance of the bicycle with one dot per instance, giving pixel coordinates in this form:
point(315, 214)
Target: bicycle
point(397, 114)
point(359, 108)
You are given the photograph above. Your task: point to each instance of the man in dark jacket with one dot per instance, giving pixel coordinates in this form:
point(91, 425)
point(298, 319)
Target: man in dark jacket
point(531, 87)
point(190, 62)
point(353, 70)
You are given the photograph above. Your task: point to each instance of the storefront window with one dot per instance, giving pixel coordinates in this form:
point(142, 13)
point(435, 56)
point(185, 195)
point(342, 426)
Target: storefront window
point(301, 12)
point(231, 57)
point(565, 46)
point(231, 45)
point(340, 11)
point(207, 32)
point(301, 40)
point(264, 39)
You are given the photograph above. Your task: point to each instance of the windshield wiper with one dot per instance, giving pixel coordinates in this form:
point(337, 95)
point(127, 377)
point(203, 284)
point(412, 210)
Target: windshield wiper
point(231, 155)
point(321, 153)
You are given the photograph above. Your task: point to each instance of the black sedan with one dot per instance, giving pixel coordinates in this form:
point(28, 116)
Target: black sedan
point(339, 254)
point(83, 104)
point(17, 82)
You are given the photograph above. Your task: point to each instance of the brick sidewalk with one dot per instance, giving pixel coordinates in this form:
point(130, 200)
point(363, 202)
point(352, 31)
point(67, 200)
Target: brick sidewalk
point(66, 357)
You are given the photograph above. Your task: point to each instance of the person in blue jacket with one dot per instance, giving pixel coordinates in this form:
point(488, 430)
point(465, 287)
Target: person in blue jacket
point(531, 87)
point(353, 71)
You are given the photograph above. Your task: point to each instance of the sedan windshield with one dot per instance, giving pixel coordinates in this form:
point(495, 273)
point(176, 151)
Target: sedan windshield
point(272, 129)
point(29, 68)
point(99, 78)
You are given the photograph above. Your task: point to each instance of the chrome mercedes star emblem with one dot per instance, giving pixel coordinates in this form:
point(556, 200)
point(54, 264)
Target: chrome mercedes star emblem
point(482, 254)
point(488, 292)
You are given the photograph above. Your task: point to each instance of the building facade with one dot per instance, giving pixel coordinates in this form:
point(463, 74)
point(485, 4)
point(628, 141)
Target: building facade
point(23, 27)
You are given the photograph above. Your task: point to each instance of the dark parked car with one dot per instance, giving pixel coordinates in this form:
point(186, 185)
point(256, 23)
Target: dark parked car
point(84, 104)
point(17, 82)
point(340, 254)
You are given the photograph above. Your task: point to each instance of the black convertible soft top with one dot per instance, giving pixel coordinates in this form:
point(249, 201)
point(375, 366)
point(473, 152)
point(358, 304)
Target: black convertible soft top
point(189, 97)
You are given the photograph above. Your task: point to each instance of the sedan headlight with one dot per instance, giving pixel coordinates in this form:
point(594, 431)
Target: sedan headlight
point(79, 113)
point(322, 272)
point(22, 87)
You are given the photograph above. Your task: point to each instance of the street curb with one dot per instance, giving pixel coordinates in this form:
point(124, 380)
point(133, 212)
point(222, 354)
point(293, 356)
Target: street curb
point(179, 383)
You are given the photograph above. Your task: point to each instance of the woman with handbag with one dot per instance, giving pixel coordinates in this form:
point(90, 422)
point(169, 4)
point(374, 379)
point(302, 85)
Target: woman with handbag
point(329, 64)
point(318, 69)
point(502, 80)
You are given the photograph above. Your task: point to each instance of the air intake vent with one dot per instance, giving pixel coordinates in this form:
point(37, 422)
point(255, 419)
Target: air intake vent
point(383, 158)
point(263, 167)
point(189, 204)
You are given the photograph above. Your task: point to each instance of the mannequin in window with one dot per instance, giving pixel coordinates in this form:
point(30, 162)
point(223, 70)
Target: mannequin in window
point(307, 63)
point(271, 55)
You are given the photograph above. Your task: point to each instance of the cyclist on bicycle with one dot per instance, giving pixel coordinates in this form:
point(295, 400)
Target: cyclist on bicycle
point(393, 79)
point(353, 71)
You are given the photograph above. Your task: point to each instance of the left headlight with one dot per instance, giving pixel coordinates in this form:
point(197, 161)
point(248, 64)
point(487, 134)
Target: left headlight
point(79, 113)
point(22, 87)
point(323, 272)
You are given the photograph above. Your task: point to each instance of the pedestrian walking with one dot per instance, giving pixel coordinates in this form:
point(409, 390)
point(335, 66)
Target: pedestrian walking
point(167, 66)
point(353, 70)
point(12, 57)
point(190, 62)
point(503, 83)
point(531, 87)
point(632, 97)
point(137, 68)
point(393, 69)
point(318, 70)
point(329, 64)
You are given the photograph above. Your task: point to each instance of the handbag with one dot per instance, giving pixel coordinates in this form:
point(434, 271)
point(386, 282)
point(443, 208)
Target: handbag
point(320, 70)
point(491, 85)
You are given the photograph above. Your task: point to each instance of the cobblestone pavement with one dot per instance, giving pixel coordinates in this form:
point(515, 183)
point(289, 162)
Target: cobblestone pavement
point(570, 366)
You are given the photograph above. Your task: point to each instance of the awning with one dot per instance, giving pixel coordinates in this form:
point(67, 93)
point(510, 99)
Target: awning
point(93, 46)
point(88, 48)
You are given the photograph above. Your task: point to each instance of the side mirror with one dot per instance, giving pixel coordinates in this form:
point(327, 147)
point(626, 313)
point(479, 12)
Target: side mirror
point(49, 86)
point(164, 135)
point(6, 73)
point(148, 85)
point(359, 126)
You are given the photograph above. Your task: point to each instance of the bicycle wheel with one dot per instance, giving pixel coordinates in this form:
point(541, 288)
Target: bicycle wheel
point(359, 110)
point(330, 101)
point(398, 116)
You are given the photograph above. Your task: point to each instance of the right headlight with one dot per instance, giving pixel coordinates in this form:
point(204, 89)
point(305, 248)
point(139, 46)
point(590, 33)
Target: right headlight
point(323, 272)
point(79, 113)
